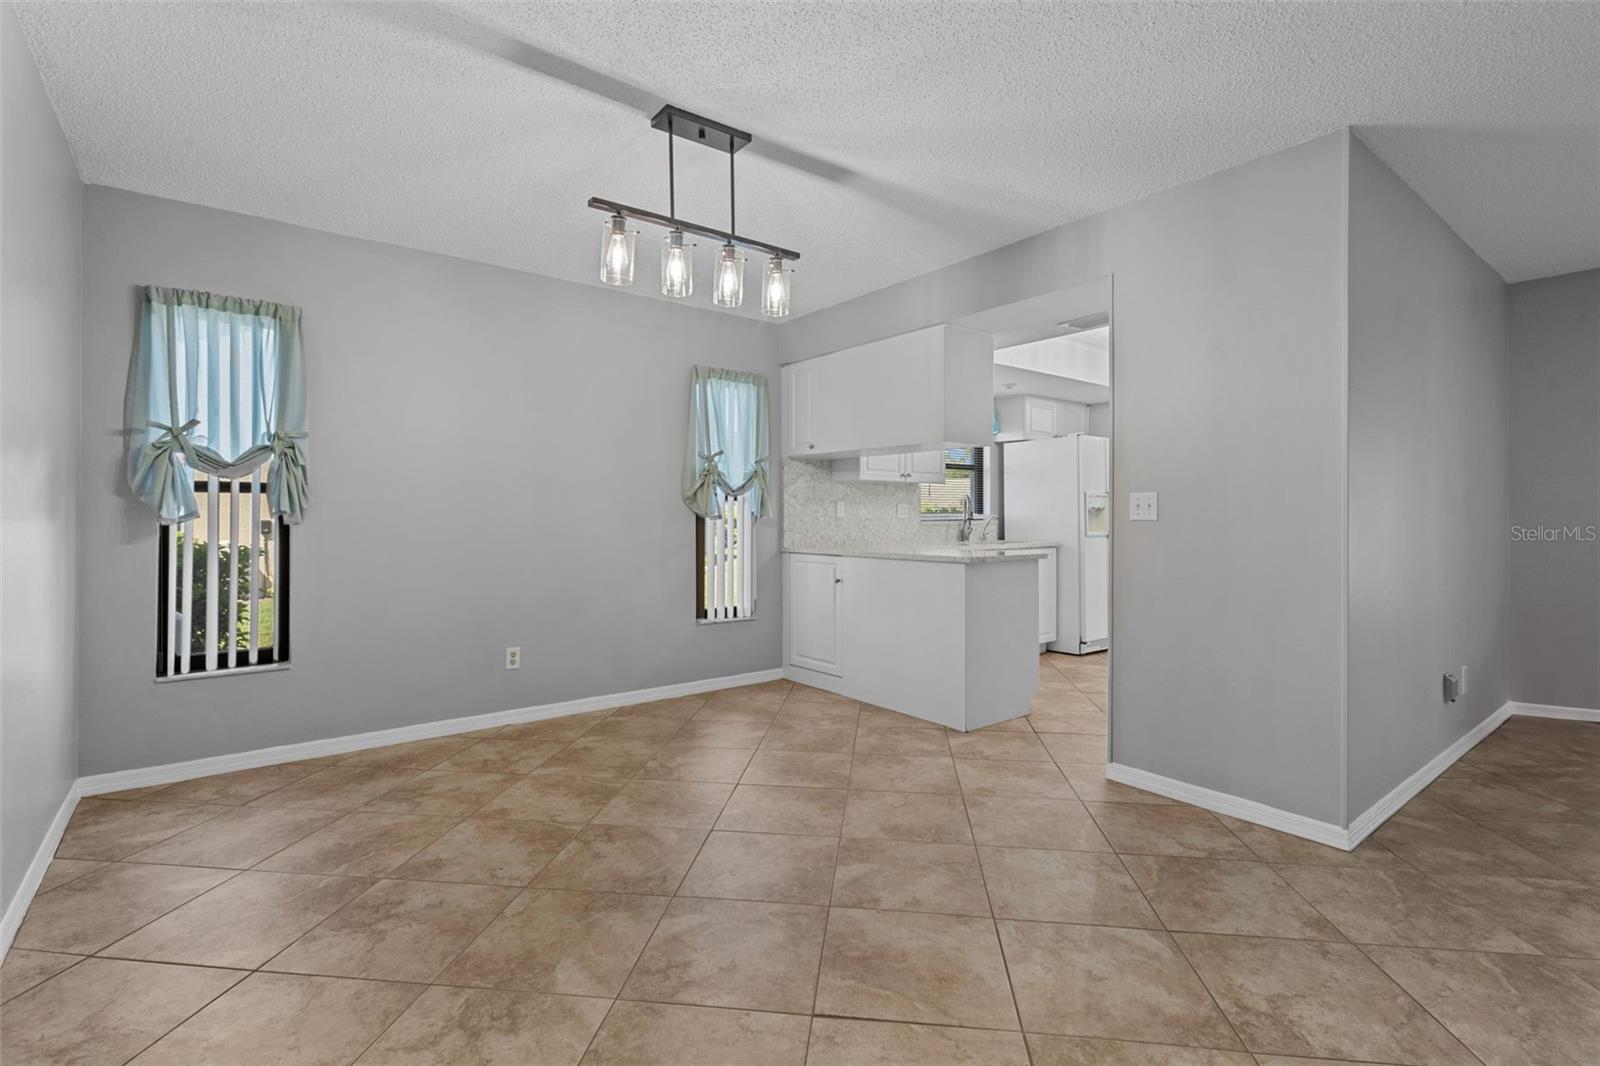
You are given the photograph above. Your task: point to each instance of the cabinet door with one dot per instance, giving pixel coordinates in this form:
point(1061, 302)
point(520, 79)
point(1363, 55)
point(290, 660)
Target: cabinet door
point(816, 599)
point(1047, 598)
point(1041, 418)
point(882, 468)
point(925, 468)
point(801, 432)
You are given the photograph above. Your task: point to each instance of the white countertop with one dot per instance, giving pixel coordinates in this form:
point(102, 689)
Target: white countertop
point(961, 554)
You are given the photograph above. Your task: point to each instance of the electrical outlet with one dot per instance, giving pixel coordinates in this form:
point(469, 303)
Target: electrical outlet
point(513, 658)
point(1462, 678)
point(838, 508)
point(1142, 506)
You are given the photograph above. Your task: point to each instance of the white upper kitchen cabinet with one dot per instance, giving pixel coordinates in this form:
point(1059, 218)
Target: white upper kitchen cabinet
point(1035, 418)
point(908, 468)
point(917, 392)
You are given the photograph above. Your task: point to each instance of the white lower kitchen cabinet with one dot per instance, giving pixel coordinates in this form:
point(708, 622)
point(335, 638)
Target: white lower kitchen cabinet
point(952, 642)
point(815, 633)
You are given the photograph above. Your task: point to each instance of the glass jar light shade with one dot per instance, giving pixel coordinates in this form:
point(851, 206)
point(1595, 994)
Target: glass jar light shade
point(616, 252)
point(677, 266)
point(729, 288)
point(775, 289)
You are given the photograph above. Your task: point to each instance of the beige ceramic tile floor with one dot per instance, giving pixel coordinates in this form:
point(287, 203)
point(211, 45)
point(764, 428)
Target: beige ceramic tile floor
point(776, 875)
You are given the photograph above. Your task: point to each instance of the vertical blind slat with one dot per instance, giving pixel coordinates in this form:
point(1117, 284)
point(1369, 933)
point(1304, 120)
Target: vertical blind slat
point(233, 575)
point(213, 524)
point(255, 564)
point(186, 591)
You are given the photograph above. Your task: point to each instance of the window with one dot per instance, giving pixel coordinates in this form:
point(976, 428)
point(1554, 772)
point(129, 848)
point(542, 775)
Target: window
point(726, 550)
point(963, 477)
point(223, 594)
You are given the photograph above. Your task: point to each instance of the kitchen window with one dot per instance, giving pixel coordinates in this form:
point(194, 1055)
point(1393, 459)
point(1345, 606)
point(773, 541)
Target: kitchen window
point(223, 582)
point(963, 476)
point(725, 548)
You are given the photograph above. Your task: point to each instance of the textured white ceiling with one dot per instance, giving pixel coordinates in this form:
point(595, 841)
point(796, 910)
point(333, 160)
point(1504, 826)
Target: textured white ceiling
point(891, 138)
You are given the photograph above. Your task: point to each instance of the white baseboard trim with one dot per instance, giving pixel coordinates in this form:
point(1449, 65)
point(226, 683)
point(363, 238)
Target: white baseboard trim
point(1545, 710)
point(1233, 806)
point(23, 896)
point(119, 780)
point(1363, 824)
point(96, 784)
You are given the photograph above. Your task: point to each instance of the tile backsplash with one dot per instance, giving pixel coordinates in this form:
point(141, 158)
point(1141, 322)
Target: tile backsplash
point(871, 519)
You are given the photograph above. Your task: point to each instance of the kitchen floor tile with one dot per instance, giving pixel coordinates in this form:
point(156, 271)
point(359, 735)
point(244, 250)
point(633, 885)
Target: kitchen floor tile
point(242, 922)
point(1226, 896)
point(648, 860)
point(1031, 780)
point(926, 817)
point(23, 969)
point(674, 804)
point(489, 1027)
point(573, 943)
point(1316, 999)
point(767, 809)
point(85, 915)
point(272, 1019)
point(360, 844)
point(728, 953)
point(648, 1034)
point(942, 969)
point(1506, 1009)
point(1399, 906)
point(800, 769)
point(1008, 747)
point(337, 788)
point(564, 799)
point(1063, 886)
point(904, 773)
point(1136, 829)
point(770, 867)
point(1019, 822)
point(1087, 1051)
point(499, 756)
point(114, 829)
point(1123, 984)
point(898, 875)
point(239, 839)
point(674, 763)
point(490, 851)
point(396, 931)
point(849, 1042)
point(104, 1011)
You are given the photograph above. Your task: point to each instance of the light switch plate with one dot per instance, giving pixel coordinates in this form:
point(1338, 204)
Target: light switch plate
point(903, 510)
point(838, 508)
point(1142, 506)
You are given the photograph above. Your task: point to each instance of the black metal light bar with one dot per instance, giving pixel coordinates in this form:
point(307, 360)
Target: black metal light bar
point(676, 122)
point(640, 214)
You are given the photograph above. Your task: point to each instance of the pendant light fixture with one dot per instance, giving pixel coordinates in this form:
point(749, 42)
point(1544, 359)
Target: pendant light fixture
point(616, 252)
point(775, 289)
point(677, 251)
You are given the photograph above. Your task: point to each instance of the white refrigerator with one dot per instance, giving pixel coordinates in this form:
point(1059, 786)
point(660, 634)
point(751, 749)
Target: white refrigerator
point(1060, 490)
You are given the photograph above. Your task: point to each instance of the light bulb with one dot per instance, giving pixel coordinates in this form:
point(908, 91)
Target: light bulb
point(616, 252)
point(677, 266)
point(775, 289)
point(729, 290)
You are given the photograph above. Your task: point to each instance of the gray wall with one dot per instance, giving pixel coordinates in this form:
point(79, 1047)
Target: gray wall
point(1555, 482)
point(1429, 484)
point(1228, 617)
point(40, 374)
point(1097, 420)
point(495, 460)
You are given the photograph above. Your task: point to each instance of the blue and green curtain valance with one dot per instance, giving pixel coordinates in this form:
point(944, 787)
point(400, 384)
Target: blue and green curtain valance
point(217, 385)
point(727, 451)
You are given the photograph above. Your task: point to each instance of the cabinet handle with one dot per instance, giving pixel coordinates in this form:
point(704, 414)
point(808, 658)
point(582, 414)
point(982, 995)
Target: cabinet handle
point(813, 447)
point(838, 581)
